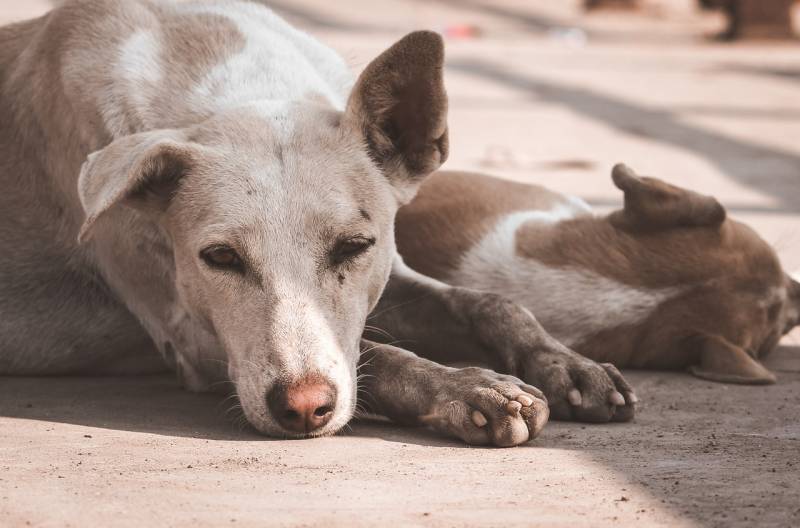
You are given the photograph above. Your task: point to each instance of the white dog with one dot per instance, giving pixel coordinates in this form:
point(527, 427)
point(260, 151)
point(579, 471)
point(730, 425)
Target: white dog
point(202, 180)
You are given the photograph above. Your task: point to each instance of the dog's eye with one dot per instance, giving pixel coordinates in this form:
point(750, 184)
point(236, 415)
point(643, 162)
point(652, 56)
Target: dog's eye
point(350, 248)
point(222, 257)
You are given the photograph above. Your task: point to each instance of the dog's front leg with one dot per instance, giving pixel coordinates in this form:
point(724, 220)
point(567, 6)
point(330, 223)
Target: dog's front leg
point(457, 325)
point(476, 405)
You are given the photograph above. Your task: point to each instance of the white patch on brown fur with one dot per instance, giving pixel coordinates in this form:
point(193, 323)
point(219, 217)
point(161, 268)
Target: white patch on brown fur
point(251, 73)
point(139, 70)
point(140, 66)
point(571, 303)
point(140, 59)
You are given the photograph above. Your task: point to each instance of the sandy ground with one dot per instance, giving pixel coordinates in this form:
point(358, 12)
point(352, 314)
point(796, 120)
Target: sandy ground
point(546, 95)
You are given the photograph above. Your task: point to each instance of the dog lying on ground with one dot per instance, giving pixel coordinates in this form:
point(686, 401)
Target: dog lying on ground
point(668, 282)
point(200, 183)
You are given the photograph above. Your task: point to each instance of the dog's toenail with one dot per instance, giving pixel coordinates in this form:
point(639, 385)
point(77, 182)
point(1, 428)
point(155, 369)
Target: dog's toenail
point(616, 399)
point(513, 407)
point(632, 398)
point(525, 400)
point(479, 419)
point(574, 397)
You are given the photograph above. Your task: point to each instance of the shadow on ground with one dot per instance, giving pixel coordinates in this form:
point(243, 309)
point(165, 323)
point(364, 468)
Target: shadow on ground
point(143, 404)
point(711, 452)
point(769, 170)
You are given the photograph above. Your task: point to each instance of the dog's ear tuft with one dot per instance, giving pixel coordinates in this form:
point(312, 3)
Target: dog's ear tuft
point(399, 105)
point(652, 204)
point(141, 171)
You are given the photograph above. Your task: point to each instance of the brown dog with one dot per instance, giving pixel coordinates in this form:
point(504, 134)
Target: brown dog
point(668, 282)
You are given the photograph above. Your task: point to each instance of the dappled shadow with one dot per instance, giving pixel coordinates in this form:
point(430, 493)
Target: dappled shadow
point(157, 405)
point(768, 170)
point(147, 404)
point(315, 20)
point(526, 18)
point(718, 454)
point(713, 453)
point(737, 112)
point(391, 432)
point(776, 72)
point(734, 208)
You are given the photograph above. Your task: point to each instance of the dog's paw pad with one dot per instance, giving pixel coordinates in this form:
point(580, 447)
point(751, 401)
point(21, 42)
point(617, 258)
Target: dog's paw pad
point(483, 407)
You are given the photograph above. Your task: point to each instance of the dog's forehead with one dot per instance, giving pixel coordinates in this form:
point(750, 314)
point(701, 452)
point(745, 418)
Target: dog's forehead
point(272, 165)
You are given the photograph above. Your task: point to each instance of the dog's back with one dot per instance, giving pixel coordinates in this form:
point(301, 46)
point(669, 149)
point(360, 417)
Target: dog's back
point(647, 286)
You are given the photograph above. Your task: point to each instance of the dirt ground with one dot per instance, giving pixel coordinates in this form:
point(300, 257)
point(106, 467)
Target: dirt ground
point(542, 94)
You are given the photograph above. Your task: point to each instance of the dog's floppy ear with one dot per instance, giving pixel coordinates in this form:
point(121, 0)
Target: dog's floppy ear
point(719, 360)
point(651, 204)
point(399, 104)
point(141, 171)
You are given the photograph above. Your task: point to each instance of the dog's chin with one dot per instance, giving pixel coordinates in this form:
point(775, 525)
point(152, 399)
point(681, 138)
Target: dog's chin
point(328, 430)
point(273, 430)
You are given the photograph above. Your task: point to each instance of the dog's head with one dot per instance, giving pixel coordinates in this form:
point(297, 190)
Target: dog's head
point(280, 219)
point(739, 284)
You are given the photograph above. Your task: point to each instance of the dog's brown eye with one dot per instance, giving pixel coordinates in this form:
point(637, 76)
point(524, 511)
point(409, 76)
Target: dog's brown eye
point(222, 257)
point(350, 248)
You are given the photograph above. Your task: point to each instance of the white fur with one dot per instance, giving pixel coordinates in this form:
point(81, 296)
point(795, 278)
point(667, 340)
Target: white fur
point(139, 70)
point(251, 73)
point(140, 59)
point(571, 303)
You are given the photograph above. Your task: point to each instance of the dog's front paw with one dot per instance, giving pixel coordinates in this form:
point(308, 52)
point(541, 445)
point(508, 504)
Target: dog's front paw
point(482, 407)
point(580, 389)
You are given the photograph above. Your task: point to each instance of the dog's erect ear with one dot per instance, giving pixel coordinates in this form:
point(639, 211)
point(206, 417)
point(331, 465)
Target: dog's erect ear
point(141, 171)
point(651, 204)
point(399, 104)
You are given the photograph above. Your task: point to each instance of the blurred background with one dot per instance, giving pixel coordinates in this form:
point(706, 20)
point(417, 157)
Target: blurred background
point(703, 93)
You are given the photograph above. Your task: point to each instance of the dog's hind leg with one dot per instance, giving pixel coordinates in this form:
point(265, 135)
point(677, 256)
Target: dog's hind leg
point(458, 325)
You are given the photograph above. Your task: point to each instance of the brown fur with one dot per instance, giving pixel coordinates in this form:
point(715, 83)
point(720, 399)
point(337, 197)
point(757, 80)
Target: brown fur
point(400, 105)
point(726, 278)
point(455, 210)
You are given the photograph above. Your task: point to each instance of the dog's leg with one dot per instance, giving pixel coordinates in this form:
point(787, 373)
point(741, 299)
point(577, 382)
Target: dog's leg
point(450, 324)
point(476, 405)
point(721, 361)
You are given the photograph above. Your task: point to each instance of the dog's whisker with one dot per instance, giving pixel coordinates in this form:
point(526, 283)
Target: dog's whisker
point(379, 331)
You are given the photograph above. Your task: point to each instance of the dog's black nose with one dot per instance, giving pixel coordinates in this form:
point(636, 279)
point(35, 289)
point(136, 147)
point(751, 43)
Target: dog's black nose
point(303, 406)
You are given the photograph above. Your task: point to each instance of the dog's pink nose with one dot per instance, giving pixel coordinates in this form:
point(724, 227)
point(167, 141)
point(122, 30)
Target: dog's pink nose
point(303, 406)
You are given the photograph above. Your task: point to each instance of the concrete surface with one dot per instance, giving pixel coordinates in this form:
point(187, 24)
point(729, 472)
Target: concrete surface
point(543, 94)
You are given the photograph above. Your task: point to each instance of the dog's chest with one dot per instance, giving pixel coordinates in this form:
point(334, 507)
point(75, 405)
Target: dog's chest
point(571, 302)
